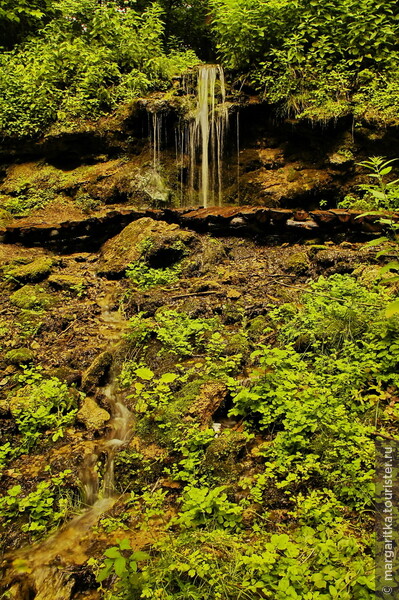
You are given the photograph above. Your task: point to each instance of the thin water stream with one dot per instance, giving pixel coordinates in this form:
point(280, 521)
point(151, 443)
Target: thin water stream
point(199, 137)
point(43, 571)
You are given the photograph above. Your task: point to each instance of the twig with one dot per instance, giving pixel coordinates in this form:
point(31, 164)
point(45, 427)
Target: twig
point(197, 294)
point(66, 329)
point(383, 435)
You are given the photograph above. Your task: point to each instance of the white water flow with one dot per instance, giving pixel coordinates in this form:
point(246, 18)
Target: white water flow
point(47, 566)
point(238, 156)
point(201, 139)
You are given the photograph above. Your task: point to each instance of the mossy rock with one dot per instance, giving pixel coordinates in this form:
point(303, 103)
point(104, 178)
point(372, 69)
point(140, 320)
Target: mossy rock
point(315, 248)
point(236, 344)
point(5, 217)
point(97, 372)
point(158, 243)
point(297, 263)
point(70, 283)
point(222, 454)
point(257, 326)
point(19, 356)
point(91, 415)
point(32, 272)
point(31, 296)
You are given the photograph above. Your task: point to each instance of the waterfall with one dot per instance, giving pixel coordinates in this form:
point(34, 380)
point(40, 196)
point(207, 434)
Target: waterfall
point(199, 138)
point(206, 133)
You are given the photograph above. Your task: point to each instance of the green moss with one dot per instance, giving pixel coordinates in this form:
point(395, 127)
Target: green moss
point(32, 272)
point(297, 263)
point(31, 296)
point(315, 248)
point(5, 216)
point(256, 327)
point(19, 356)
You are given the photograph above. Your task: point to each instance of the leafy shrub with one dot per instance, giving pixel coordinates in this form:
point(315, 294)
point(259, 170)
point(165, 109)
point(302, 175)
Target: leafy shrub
point(85, 61)
point(42, 404)
point(146, 277)
point(42, 509)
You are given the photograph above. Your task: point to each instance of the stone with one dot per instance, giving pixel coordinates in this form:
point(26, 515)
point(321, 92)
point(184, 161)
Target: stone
point(30, 297)
point(69, 283)
point(19, 356)
point(32, 272)
point(211, 397)
point(96, 373)
point(297, 263)
point(232, 294)
point(159, 243)
point(91, 415)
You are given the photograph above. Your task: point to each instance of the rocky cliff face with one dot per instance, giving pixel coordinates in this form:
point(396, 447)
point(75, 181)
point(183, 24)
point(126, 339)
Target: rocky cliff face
point(266, 163)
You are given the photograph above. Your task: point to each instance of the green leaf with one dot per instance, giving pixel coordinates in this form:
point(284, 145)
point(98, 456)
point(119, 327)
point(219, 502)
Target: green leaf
point(120, 566)
point(140, 555)
point(393, 265)
point(104, 573)
point(376, 242)
point(392, 309)
point(168, 377)
point(124, 544)
point(112, 552)
point(144, 373)
point(14, 491)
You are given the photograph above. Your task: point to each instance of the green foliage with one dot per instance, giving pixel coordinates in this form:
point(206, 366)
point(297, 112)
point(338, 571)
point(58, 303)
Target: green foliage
point(42, 404)
point(310, 564)
point(84, 62)
point(40, 510)
point(204, 506)
point(382, 194)
point(316, 57)
point(146, 277)
point(321, 404)
point(178, 333)
point(118, 562)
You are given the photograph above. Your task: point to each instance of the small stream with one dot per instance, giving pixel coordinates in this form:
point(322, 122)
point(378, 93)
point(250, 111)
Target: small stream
point(43, 571)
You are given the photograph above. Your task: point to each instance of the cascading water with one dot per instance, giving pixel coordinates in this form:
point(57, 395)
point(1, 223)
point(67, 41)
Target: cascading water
point(46, 577)
point(199, 137)
point(206, 134)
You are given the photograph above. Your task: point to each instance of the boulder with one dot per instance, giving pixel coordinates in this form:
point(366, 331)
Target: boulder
point(91, 415)
point(160, 244)
point(211, 397)
point(94, 376)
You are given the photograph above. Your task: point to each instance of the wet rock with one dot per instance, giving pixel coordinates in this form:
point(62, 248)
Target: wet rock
point(91, 415)
point(97, 372)
point(19, 356)
point(159, 243)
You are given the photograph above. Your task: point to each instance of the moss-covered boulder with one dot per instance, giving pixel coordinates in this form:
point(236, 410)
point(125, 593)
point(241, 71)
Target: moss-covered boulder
point(31, 296)
point(70, 283)
point(19, 356)
point(91, 415)
point(297, 263)
point(33, 272)
point(97, 372)
point(158, 243)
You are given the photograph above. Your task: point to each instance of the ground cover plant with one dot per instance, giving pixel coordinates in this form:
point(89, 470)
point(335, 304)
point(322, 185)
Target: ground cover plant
point(248, 471)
